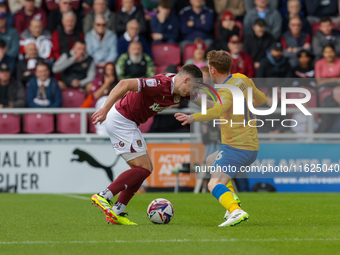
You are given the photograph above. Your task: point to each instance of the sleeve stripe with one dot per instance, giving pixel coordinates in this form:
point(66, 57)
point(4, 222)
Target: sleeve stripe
point(139, 86)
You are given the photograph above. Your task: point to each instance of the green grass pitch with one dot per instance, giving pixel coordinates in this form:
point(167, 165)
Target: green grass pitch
point(65, 224)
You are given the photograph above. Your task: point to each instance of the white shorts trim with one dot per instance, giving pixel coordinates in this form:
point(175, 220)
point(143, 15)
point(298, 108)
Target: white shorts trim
point(124, 134)
point(130, 156)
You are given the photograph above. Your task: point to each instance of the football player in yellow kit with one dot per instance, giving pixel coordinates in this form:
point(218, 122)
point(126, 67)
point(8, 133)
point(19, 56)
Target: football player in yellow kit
point(240, 144)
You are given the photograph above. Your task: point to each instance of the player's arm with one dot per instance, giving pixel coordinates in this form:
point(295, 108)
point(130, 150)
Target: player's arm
point(198, 102)
point(118, 91)
point(259, 98)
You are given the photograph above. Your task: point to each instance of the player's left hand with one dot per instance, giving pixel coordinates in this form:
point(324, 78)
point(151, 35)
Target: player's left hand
point(184, 118)
point(99, 116)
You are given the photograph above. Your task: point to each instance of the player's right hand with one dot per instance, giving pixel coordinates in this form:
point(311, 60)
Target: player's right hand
point(99, 116)
point(184, 118)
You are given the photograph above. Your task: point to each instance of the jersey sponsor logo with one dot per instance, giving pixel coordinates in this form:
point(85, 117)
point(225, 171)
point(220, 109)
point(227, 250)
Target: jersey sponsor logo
point(156, 108)
point(121, 144)
point(151, 82)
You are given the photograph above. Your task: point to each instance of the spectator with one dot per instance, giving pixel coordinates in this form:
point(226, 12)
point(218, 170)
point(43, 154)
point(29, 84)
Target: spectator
point(101, 87)
point(283, 8)
point(101, 42)
point(326, 35)
point(269, 127)
point(275, 65)
point(242, 62)
point(23, 18)
point(135, 63)
point(5, 59)
point(295, 40)
point(328, 67)
point(43, 90)
point(226, 29)
point(330, 123)
point(271, 16)
point(258, 42)
point(54, 4)
point(77, 67)
point(197, 21)
point(199, 55)
point(55, 17)
point(305, 69)
point(294, 9)
point(41, 37)
point(99, 8)
point(180, 5)
point(129, 12)
point(16, 5)
point(150, 8)
point(235, 7)
point(131, 34)
point(10, 36)
point(12, 94)
point(317, 9)
point(165, 27)
point(64, 37)
point(9, 16)
point(87, 4)
point(26, 66)
point(250, 4)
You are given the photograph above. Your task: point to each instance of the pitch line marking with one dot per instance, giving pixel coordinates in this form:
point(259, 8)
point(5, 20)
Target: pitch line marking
point(76, 196)
point(171, 241)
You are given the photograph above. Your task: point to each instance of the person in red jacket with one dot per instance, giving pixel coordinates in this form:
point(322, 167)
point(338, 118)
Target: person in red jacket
point(23, 18)
point(242, 62)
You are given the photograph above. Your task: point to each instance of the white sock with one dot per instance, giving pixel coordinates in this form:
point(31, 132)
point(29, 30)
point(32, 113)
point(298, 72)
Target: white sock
point(118, 208)
point(107, 194)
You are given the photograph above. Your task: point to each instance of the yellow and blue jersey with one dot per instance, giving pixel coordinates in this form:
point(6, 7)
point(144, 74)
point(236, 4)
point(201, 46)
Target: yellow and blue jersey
point(240, 136)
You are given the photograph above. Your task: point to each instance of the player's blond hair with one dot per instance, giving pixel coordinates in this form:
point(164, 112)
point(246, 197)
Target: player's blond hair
point(220, 60)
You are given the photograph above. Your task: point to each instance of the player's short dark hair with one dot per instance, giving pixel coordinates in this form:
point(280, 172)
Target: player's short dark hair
point(191, 70)
point(325, 19)
point(260, 22)
point(220, 60)
point(167, 4)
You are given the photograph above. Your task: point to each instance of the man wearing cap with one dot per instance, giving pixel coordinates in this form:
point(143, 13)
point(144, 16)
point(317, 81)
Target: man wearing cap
point(271, 16)
point(274, 65)
point(199, 55)
point(5, 59)
point(9, 15)
point(12, 93)
point(23, 18)
point(242, 62)
point(10, 36)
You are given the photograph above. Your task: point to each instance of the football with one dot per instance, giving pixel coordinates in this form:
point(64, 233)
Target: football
point(160, 211)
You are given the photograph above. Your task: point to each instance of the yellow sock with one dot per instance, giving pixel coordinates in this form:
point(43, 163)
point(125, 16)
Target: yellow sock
point(231, 187)
point(228, 202)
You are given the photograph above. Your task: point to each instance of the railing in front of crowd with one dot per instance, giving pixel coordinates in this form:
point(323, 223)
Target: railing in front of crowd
point(195, 136)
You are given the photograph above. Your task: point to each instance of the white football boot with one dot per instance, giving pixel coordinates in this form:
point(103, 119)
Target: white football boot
point(227, 213)
point(236, 217)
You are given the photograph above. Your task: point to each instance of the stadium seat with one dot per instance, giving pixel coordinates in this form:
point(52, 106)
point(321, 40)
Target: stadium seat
point(165, 54)
point(72, 98)
point(160, 69)
point(188, 51)
point(145, 127)
point(323, 93)
point(68, 123)
point(99, 72)
point(38, 123)
point(9, 124)
point(237, 23)
point(313, 102)
point(316, 27)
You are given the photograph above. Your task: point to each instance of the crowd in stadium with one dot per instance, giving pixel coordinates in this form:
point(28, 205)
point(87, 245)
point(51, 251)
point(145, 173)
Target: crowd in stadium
point(50, 47)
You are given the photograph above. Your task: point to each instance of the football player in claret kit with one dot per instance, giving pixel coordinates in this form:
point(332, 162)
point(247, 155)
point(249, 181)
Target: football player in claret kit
point(130, 103)
point(240, 143)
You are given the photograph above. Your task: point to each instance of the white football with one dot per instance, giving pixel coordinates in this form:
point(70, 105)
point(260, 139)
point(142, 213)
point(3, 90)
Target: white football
point(160, 211)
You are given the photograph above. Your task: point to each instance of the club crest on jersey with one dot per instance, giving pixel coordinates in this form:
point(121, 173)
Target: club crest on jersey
point(139, 143)
point(177, 99)
point(151, 82)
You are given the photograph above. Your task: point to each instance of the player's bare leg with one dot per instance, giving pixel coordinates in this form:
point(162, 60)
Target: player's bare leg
point(210, 162)
point(217, 186)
